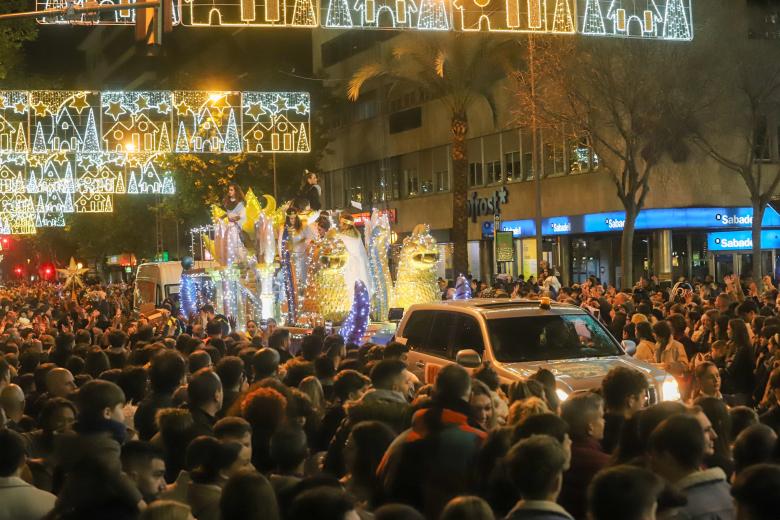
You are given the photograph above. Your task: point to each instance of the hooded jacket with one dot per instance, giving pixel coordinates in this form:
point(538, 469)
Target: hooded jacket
point(432, 462)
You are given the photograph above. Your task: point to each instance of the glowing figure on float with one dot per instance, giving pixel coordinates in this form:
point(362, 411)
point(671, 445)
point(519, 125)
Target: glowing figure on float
point(357, 259)
point(378, 243)
point(293, 241)
point(334, 300)
point(416, 280)
point(265, 253)
point(311, 312)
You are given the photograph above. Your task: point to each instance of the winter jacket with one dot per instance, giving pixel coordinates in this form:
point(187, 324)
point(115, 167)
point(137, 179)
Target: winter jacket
point(587, 459)
point(709, 496)
point(386, 406)
point(432, 462)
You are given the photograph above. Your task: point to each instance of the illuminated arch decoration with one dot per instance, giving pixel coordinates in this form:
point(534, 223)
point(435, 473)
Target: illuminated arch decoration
point(94, 203)
point(148, 122)
point(273, 122)
point(656, 19)
point(252, 13)
point(544, 16)
point(145, 177)
point(100, 173)
point(119, 17)
point(13, 172)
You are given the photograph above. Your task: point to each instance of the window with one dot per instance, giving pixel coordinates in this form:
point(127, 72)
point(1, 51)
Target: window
point(761, 140)
point(467, 334)
point(553, 155)
point(412, 182)
point(574, 336)
point(439, 343)
point(442, 180)
point(348, 44)
point(366, 106)
point(475, 174)
point(354, 190)
point(426, 186)
point(581, 156)
point(528, 155)
point(493, 172)
point(418, 328)
point(512, 162)
point(405, 120)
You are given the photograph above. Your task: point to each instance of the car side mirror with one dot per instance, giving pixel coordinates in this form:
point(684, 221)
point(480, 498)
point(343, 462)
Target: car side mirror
point(395, 314)
point(629, 346)
point(468, 358)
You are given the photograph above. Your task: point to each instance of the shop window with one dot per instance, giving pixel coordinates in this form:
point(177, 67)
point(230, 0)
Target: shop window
point(354, 191)
point(442, 180)
point(475, 174)
point(512, 164)
point(493, 172)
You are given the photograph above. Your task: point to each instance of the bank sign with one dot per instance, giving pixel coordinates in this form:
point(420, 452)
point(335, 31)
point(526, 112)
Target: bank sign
point(491, 205)
point(741, 240)
point(657, 218)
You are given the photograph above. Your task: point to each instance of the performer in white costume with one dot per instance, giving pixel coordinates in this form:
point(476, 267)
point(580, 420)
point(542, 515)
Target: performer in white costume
point(234, 206)
point(357, 258)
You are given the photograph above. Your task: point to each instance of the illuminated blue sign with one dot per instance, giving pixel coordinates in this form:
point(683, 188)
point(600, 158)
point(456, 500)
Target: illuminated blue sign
point(656, 218)
point(741, 240)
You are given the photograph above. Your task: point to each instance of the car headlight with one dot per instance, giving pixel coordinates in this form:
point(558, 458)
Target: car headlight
point(562, 395)
point(670, 390)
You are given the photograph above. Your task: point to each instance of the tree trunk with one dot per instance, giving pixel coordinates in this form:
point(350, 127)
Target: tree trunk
point(758, 216)
point(460, 259)
point(627, 247)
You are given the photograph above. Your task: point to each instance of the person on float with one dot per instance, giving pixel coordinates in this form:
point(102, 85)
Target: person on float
point(311, 190)
point(356, 267)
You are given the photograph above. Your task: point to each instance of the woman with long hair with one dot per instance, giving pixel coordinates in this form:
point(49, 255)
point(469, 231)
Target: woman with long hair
point(645, 348)
point(740, 362)
point(310, 190)
point(670, 353)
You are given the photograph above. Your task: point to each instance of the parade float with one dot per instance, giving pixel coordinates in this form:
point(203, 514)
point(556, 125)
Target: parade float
point(305, 268)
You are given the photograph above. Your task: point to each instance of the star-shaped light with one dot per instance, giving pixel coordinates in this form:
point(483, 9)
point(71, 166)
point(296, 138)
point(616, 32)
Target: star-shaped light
point(163, 107)
point(280, 105)
point(79, 103)
point(40, 109)
point(219, 101)
point(182, 107)
point(141, 103)
point(255, 110)
point(60, 158)
point(115, 109)
point(301, 108)
point(72, 275)
point(20, 108)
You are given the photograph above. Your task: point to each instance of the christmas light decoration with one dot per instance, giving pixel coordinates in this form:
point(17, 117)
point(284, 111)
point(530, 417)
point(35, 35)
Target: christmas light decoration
point(434, 16)
point(378, 244)
point(355, 324)
point(416, 280)
point(94, 203)
point(676, 17)
point(117, 17)
point(657, 19)
point(147, 122)
point(249, 13)
point(72, 275)
point(334, 297)
point(462, 289)
point(196, 290)
point(516, 16)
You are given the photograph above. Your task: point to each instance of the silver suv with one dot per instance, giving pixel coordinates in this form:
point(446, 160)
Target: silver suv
point(519, 337)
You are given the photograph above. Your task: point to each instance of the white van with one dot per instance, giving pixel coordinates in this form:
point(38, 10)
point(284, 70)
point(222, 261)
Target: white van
point(156, 281)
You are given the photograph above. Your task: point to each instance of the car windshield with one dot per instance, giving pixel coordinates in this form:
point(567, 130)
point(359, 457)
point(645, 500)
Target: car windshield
point(541, 338)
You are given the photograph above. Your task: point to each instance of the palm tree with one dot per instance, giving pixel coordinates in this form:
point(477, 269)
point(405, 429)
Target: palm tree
point(457, 70)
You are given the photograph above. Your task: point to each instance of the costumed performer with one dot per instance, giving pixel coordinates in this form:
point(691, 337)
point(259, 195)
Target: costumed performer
point(357, 258)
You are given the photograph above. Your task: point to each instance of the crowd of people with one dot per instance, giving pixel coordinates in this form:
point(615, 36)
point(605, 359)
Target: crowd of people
point(108, 414)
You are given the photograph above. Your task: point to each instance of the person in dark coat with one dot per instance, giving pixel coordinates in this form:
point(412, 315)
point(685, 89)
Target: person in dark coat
point(311, 191)
point(432, 462)
point(584, 413)
point(385, 402)
point(166, 374)
point(625, 392)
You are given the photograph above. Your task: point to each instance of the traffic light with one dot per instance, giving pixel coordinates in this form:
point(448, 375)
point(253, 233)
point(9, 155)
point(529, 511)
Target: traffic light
point(5, 243)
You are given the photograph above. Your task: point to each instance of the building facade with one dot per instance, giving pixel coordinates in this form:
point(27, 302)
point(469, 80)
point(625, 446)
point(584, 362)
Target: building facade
point(391, 151)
